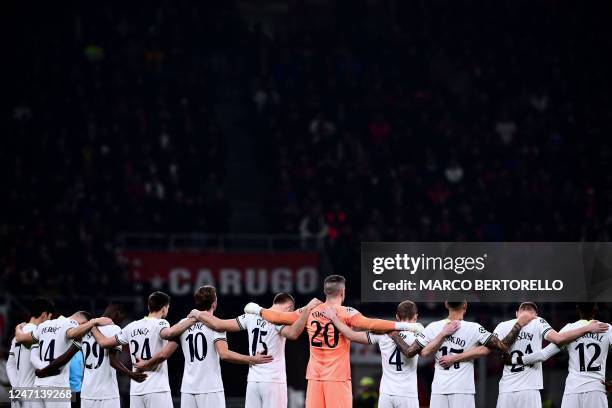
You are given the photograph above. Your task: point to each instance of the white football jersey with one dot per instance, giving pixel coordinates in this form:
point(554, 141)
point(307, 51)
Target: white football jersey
point(21, 352)
point(202, 371)
point(265, 337)
point(144, 341)
point(99, 378)
point(587, 360)
point(459, 378)
point(399, 373)
point(518, 377)
point(52, 343)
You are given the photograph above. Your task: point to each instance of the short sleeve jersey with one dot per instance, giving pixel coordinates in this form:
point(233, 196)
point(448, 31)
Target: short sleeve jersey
point(399, 376)
point(266, 338)
point(518, 377)
point(53, 341)
point(459, 378)
point(201, 371)
point(587, 360)
point(99, 378)
point(143, 338)
point(21, 352)
point(329, 349)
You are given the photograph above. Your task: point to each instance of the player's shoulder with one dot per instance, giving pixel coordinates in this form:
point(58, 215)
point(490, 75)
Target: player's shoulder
point(29, 327)
point(134, 324)
point(437, 324)
point(109, 330)
point(46, 323)
point(155, 322)
point(348, 310)
point(66, 321)
point(573, 325)
point(247, 317)
point(408, 336)
point(472, 326)
point(218, 335)
point(506, 324)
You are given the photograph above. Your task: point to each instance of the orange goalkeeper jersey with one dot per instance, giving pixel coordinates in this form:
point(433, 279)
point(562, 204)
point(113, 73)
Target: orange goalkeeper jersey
point(329, 349)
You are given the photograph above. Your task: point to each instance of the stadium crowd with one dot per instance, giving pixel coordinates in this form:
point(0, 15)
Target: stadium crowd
point(373, 121)
point(373, 124)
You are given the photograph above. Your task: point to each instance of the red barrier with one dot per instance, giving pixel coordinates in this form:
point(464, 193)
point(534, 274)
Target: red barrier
point(241, 273)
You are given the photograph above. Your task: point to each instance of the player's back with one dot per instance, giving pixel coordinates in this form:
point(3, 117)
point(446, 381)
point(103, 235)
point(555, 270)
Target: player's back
point(329, 349)
point(202, 371)
point(265, 338)
point(459, 378)
point(587, 360)
point(21, 352)
point(53, 341)
point(399, 372)
point(99, 378)
point(144, 341)
point(518, 377)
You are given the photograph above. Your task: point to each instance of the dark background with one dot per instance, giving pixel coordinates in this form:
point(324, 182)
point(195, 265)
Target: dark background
point(333, 122)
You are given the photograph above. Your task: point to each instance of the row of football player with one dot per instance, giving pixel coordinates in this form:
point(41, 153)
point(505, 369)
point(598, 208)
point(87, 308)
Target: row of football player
point(42, 348)
point(586, 341)
point(54, 343)
point(329, 368)
point(455, 343)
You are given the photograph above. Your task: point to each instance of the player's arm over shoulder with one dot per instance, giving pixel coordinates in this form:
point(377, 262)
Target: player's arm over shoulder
point(225, 325)
point(293, 331)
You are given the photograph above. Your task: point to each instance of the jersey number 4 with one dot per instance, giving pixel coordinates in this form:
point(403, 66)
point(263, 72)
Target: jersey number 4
point(396, 359)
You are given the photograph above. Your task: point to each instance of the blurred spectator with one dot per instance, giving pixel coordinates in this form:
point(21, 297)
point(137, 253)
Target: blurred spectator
point(313, 228)
point(367, 394)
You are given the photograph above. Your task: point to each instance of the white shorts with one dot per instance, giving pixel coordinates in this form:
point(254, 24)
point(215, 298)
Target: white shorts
point(522, 399)
point(47, 404)
point(209, 399)
point(452, 401)
point(104, 403)
point(266, 394)
point(593, 399)
point(397, 401)
point(23, 404)
point(153, 400)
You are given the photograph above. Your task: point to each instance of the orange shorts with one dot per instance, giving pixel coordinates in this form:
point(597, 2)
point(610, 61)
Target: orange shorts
point(329, 394)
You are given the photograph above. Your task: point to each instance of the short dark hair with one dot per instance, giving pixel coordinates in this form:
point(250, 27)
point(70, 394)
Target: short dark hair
point(282, 298)
point(406, 310)
point(83, 314)
point(528, 305)
point(157, 300)
point(115, 311)
point(333, 284)
point(455, 305)
point(40, 305)
point(204, 297)
point(587, 309)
